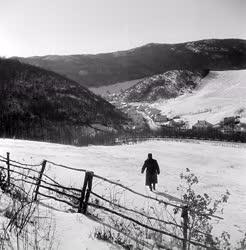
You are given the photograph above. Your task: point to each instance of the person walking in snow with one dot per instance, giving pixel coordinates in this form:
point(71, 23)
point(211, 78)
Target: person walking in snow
point(152, 170)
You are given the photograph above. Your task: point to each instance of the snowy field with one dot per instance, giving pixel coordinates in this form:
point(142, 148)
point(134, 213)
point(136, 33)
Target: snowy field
point(220, 94)
point(218, 166)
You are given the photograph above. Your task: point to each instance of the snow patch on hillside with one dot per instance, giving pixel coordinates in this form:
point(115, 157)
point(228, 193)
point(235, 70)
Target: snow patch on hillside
point(220, 94)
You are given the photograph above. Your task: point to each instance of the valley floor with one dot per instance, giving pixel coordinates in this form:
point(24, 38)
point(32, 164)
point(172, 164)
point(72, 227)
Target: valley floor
point(218, 166)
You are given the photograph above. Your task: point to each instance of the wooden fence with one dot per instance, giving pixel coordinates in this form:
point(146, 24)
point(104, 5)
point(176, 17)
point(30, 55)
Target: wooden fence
point(34, 175)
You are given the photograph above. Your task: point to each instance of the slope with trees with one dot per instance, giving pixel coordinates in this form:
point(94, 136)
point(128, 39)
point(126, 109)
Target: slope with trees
point(36, 103)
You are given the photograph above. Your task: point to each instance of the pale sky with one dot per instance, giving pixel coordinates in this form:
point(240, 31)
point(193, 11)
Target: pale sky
point(41, 27)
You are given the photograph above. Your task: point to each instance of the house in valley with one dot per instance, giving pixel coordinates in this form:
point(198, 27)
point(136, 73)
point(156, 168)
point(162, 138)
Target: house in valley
point(240, 127)
point(178, 124)
point(202, 125)
point(230, 124)
point(160, 119)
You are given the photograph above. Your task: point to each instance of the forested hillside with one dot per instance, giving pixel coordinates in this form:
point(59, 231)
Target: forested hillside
point(36, 103)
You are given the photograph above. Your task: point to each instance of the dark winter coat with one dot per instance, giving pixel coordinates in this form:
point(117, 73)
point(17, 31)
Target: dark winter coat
point(152, 169)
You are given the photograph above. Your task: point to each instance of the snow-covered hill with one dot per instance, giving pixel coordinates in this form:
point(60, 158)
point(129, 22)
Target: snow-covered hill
point(219, 167)
point(220, 94)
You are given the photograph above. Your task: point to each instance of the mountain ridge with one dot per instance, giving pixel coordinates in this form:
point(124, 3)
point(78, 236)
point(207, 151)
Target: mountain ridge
point(95, 70)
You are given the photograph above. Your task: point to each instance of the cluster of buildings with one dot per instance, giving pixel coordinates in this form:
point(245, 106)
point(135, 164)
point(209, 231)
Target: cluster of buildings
point(227, 125)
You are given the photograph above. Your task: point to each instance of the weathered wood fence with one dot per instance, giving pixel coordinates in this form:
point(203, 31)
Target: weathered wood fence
point(79, 199)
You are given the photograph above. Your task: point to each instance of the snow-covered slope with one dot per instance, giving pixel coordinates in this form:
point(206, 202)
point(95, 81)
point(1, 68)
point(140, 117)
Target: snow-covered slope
point(218, 168)
point(220, 94)
point(63, 230)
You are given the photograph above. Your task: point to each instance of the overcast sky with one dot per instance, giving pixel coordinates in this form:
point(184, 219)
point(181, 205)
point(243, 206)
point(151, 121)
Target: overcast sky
point(40, 27)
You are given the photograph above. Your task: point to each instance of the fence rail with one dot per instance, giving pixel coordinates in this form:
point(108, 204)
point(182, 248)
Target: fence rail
point(79, 198)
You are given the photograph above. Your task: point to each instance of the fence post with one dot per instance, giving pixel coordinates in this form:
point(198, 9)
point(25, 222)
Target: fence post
point(185, 217)
point(8, 169)
point(39, 179)
point(88, 192)
point(83, 192)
